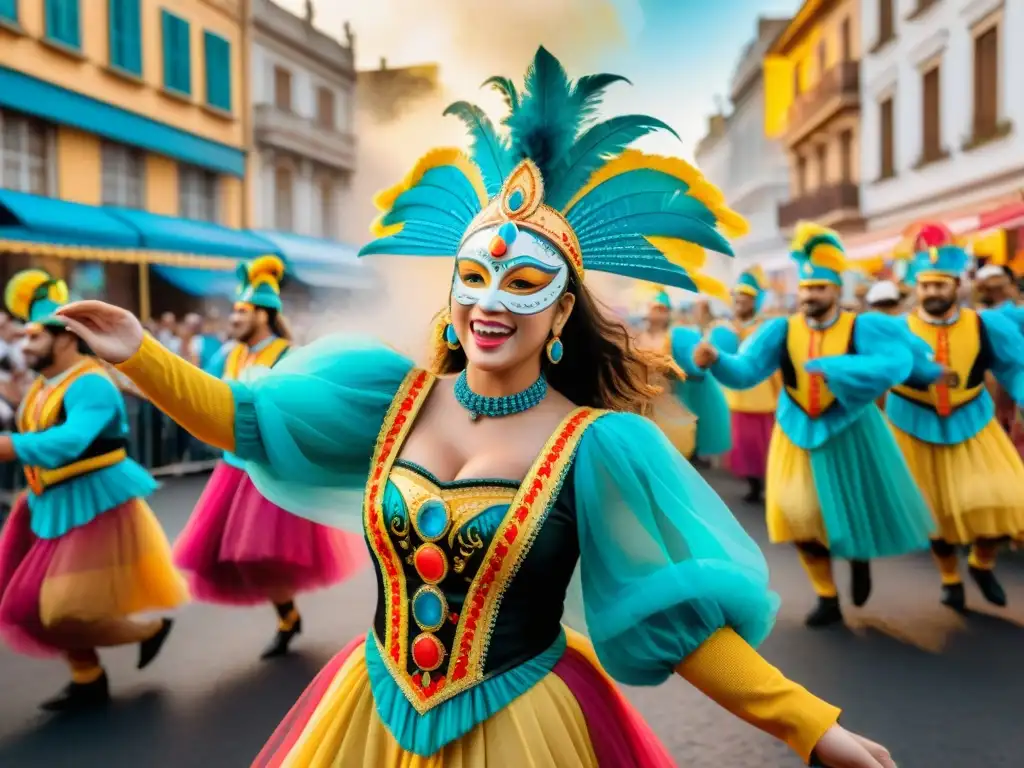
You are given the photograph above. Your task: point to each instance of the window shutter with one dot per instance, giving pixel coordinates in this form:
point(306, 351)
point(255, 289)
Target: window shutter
point(70, 17)
point(9, 10)
point(167, 38)
point(131, 36)
point(218, 71)
point(184, 54)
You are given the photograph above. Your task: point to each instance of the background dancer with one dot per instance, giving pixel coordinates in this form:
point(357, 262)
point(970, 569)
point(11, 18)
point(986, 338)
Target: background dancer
point(836, 483)
point(238, 548)
point(752, 410)
point(967, 467)
point(81, 552)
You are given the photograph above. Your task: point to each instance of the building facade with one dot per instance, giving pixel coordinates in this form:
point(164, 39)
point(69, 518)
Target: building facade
point(137, 104)
point(943, 112)
point(812, 105)
point(304, 100)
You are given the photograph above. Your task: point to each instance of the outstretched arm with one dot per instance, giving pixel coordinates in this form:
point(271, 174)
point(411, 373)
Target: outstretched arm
point(757, 359)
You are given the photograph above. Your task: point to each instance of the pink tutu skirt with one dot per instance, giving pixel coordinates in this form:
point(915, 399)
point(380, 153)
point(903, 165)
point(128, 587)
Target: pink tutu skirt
point(240, 549)
point(751, 435)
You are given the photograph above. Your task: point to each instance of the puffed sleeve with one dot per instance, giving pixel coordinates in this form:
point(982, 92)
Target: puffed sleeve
point(885, 357)
point(757, 358)
point(1007, 344)
point(663, 562)
point(725, 339)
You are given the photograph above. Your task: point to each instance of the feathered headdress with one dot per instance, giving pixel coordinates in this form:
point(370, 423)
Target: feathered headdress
point(33, 296)
point(819, 254)
point(753, 282)
point(260, 282)
point(936, 254)
point(562, 175)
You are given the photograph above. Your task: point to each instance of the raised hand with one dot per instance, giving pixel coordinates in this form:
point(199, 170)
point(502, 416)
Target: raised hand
point(704, 355)
point(839, 748)
point(112, 333)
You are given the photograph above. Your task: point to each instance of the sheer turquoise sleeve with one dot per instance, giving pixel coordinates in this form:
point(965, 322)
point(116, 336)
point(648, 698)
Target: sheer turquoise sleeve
point(757, 359)
point(725, 339)
point(884, 358)
point(663, 562)
point(683, 340)
point(218, 361)
point(306, 429)
point(1007, 344)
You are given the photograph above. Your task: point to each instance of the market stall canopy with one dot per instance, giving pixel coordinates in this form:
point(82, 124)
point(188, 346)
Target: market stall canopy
point(26, 219)
point(320, 263)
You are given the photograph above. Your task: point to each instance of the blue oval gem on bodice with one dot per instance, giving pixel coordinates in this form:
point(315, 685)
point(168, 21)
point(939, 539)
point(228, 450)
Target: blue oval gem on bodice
point(432, 519)
point(428, 608)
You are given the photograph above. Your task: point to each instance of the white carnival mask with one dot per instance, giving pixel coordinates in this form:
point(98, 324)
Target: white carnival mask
point(505, 268)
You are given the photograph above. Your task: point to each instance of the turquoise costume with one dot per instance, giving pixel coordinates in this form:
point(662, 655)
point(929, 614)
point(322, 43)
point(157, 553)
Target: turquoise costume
point(702, 395)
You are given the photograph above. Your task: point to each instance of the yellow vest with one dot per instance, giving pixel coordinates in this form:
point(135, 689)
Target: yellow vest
point(961, 347)
point(804, 343)
point(764, 397)
point(43, 408)
point(242, 357)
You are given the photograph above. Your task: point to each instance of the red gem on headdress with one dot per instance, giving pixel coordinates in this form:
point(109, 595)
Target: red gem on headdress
point(932, 236)
point(498, 246)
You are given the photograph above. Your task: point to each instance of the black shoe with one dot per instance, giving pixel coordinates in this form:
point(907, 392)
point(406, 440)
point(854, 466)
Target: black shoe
point(989, 586)
point(825, 614)
point(754, 495)
point(953, 597)
point(79, 697)
point(700, 463)
point(150, 647)
point(860, 581)
point(282, 640)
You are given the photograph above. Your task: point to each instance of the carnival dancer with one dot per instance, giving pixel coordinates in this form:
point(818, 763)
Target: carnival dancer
point(963, 461)
point(81, 552)
point(752, 410)
point(238, 548)
point(703, 431)
point(836, 483)
point(488, 481)
point(997, 290)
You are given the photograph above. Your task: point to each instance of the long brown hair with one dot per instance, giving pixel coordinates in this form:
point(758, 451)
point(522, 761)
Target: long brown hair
point(601, 367)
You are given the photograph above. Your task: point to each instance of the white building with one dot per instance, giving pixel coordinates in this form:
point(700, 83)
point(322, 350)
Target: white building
point(748, 167)
point(943, 121)
point(303, 85)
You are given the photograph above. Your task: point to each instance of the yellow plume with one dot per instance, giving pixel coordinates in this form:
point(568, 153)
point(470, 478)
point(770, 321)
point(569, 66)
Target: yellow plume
point(689, 256)
point(730, 222)
point(828, 253)
point(21, 291)
point(436, 158)
point(268, 270)
point(709, 286)
point(758, 274)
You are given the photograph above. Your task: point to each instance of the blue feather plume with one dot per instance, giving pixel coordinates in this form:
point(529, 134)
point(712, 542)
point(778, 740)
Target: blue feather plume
point(489, 151)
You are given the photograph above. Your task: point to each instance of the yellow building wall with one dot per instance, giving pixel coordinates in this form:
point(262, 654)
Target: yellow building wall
point(78, 166)
point(232, 202)
point(161, 185)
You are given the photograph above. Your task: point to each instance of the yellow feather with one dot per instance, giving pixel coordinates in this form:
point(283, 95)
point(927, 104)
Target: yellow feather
point(436, 158)
point(379, 229)
point(758, 274)
point(266, 270)
point(730, 222)
point(709, 286)
point(805, 230)
point(829, 257)
point(687, 255)
point(21, 290)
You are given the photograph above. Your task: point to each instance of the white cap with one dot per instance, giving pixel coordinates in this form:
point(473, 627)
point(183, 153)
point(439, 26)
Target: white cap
point(989, 270)
point(885, 290)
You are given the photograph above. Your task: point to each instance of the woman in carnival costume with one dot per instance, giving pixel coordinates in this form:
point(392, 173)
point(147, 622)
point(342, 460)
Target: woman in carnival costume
point(752, 410)
point(964, 462)
point(81, 552)
point(837, 485)
point(238, 547)
point(707, 434)
point(521, 456)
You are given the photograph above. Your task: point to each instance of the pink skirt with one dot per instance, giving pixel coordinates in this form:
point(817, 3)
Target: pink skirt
point(751, 435)
point(241, 549)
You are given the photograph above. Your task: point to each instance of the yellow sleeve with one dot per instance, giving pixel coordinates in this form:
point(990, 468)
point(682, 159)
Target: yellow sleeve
point(199, 402)
point(730, 672)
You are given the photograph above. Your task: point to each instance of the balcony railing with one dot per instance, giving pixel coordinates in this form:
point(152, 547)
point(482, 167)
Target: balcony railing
point(836, 203)
point(302, 136)
point(839, 87)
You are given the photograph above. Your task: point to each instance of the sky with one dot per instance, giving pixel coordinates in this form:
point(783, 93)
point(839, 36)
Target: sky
point(680, 54)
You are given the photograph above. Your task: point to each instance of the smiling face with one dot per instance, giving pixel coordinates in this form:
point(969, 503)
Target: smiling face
point(506, 305)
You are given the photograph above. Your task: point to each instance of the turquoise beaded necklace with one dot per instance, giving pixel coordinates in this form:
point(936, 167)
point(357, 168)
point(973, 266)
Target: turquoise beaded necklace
point(496, 407)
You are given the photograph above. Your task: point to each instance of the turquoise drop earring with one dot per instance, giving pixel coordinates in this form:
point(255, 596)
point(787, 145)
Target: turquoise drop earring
point(555, 350)
point(450, 338)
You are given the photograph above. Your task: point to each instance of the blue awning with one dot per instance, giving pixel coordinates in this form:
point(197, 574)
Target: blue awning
point(42, 99)
point(202, 283)
point(168, 233)
point(45, 219)
point(320, 263)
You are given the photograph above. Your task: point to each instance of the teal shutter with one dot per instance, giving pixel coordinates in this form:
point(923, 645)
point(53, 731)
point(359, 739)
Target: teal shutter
point(184, 57)
point(62, 22)
point(9, 10)
point(218, 71)
point(177, 54)
point(125, 35)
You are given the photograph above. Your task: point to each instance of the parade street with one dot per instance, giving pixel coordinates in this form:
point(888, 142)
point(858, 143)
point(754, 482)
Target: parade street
point(940, 690)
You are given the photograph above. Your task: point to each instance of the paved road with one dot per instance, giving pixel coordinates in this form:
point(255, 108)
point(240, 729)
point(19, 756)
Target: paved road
point(940, 690)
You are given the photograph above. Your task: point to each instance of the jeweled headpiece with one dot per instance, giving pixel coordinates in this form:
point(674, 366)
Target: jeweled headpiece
point(571, 181)
point(936, 254)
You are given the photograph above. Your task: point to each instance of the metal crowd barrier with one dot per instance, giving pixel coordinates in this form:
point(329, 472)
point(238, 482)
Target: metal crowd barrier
point(156, 442)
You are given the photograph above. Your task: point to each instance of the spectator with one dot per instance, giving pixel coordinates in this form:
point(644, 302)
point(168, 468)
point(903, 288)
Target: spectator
point(167, 332)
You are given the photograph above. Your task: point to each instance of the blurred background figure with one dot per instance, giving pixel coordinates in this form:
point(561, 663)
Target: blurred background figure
point(884, 296)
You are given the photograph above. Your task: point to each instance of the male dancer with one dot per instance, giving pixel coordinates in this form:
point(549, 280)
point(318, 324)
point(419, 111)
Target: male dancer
point(238, 548)
point(965, 464)
point(997, 289)
point(81, 552)
point(753, 410)
point(836, 483)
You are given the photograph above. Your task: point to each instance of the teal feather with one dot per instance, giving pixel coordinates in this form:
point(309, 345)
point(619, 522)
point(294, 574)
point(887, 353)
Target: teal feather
point(397, 246)
point(620, 186)
point(506, 88)
point(454, 180)
point(600, 143)
point(595, 217)
point(588, 90)
point(489, 151)
point(435, 197)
